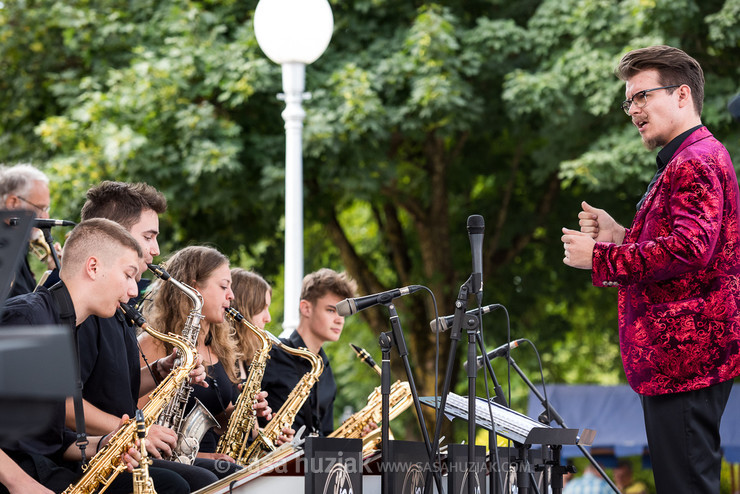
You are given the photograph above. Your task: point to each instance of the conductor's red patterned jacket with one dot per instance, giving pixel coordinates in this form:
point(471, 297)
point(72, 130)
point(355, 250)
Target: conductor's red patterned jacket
point(678, 272)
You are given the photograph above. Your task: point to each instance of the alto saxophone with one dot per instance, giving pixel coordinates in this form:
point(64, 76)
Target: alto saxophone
point(284, 417)
point(233, 442)
point(400, 399)
point(190, 429)
point(142, 481)
point(106, 464)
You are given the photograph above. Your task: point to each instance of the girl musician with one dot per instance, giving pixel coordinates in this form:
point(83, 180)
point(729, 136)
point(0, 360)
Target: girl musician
point(206, 270)
point(252, 298)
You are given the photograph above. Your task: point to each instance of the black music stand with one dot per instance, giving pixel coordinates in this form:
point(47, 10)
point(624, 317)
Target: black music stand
point(519, 428)
point(30, 393)
point(13, 238)
point(35, 390)
point(550, 414)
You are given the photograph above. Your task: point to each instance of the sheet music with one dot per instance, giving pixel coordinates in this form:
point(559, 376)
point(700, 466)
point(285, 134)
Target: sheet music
point(509, 423)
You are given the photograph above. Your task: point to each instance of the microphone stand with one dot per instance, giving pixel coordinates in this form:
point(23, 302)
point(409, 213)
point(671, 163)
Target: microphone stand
point(500, 398)
point(50, 242)
point(549, 409)
point(386, 340)
point(472, 324)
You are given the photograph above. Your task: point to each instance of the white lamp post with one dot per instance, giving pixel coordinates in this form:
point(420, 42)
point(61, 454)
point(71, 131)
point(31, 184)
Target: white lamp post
point(293, 33)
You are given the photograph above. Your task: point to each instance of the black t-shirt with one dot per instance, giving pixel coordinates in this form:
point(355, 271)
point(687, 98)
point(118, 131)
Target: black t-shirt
point(283, 372)
point(109, 364)
point(216, 397)
point(37, 309)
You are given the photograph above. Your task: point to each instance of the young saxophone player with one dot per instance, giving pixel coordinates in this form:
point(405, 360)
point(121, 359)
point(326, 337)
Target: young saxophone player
point(318, 324)
point(252, 298)
point(112, 377)
point(206, 270)
point(101, 263)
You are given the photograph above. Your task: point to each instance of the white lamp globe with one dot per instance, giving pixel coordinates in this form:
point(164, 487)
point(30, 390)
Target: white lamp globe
point(293, 31)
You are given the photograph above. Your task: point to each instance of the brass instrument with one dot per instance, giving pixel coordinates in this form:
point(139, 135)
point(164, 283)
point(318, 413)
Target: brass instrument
point(190, 430)
point(366, 357)
point(142, 481)
point(399, 399)
point(284, 417)
point(39, 246)
point(233, 442)
point(106, 464)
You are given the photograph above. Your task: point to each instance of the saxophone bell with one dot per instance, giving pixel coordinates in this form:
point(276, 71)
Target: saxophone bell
point(192, 430)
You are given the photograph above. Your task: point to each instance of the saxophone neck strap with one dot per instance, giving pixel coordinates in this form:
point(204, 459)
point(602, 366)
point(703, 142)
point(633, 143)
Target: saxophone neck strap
point(67, 315)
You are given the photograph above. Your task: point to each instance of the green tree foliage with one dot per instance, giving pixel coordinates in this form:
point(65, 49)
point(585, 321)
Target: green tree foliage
point(422, 114)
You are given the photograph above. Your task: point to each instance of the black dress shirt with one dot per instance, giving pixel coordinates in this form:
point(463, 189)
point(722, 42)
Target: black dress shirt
point(282, 374)
point(664, 157)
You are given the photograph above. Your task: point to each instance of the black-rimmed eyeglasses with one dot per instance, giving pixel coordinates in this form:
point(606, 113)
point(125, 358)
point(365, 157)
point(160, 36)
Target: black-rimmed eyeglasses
point(44, 209)
point(640, 98)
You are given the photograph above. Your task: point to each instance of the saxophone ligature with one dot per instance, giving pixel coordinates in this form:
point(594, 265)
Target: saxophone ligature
point(105, 466)
point(190, 429)
point(234, 441)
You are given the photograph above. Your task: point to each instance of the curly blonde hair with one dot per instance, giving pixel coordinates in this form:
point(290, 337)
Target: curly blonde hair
point(170, 308)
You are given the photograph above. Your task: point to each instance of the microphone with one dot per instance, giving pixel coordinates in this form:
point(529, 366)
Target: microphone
point(40, 223)
point(349, 306)
point(496, 352)
point(476, 225)
point(442, 324)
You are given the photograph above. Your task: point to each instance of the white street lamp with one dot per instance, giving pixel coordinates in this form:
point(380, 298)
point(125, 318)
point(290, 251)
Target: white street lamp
point(293, 33)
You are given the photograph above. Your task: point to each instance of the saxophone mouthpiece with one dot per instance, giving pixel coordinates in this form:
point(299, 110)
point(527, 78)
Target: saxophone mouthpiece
point(234, 314)
point(365, 357)
point(134, 315)
point(158, 271)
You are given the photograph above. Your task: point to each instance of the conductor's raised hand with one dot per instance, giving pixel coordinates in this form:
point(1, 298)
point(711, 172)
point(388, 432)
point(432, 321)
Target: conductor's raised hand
point(599, 225)
point(578, 249)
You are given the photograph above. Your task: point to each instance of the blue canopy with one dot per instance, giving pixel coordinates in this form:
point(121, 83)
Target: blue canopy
point(615, 413)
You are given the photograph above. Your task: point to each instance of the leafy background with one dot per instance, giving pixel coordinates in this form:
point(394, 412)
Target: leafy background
point(422, 113)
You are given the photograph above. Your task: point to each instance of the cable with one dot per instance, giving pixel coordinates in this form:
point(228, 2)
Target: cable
point(488, 397)
point(542, 378)
point(436, 369)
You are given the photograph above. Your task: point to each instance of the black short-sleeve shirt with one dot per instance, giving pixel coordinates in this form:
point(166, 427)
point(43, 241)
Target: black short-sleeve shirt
point(109, 364)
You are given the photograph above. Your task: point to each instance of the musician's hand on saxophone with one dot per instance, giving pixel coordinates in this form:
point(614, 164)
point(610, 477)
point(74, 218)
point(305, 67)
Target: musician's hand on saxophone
point(285, 437)
point(130, 457)
point(261, 408)
point(371, 426)
point(160, 441)
point(197, 375)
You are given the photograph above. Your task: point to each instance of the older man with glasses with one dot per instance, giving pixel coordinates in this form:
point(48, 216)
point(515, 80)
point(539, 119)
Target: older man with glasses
point(677, 268)
point(24, 187)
